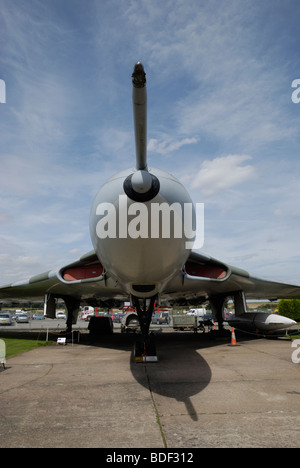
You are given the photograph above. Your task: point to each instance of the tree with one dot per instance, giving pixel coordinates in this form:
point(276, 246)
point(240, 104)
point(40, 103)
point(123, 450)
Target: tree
point(289, 308)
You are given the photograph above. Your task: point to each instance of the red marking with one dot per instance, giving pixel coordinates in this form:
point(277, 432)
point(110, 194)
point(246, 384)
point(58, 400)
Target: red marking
point(84, 272)
point(205, 271)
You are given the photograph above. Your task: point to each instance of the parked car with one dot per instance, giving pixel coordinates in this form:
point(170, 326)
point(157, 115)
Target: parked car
point(5, 318)
point(22, 318)
point(18, 312)
point(38, 317)
point(160, 318)
point(61, 315)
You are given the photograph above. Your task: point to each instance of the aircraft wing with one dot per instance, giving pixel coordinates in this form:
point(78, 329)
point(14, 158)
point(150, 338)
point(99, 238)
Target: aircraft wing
point(83, 280)
point(203, 277)
point(206, 277)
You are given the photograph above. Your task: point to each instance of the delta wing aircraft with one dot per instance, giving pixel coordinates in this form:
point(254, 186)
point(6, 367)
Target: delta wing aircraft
point(143, 251)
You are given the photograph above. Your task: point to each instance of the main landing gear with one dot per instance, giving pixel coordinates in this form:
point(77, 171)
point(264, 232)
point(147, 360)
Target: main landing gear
point(144, 350)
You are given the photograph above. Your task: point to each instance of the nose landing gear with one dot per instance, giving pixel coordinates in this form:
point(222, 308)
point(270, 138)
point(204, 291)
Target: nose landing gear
point(144, 350)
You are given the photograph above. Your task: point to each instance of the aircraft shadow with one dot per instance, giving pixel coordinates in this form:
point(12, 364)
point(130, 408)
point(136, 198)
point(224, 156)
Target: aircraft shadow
point(180, 372)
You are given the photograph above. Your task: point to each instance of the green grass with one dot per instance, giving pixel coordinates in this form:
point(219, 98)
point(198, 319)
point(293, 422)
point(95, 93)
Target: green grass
point(295, 337)
point(17, 345)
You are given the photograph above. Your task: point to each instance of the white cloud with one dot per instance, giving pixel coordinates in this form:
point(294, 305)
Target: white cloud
point(222, 173)
point(166, 145)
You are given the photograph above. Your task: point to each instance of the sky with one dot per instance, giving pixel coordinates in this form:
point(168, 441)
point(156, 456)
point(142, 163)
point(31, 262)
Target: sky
point(220, 118)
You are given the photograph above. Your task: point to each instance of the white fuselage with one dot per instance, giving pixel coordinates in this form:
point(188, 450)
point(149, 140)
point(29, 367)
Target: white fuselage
point(142, 244)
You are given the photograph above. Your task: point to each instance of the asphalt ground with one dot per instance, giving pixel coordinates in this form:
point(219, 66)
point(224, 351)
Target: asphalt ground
point(201, 393)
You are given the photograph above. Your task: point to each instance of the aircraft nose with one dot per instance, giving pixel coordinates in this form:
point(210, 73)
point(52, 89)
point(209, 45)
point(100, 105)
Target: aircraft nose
point(141, 181)
point(278, 321)
point(287, 322)
point(141, 186)
point(293, 322)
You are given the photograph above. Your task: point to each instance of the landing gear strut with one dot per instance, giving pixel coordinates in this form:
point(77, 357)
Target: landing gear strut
point(144, 347)
point(73, 306)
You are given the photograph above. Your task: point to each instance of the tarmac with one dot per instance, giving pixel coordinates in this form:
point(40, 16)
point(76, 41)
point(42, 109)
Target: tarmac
point(201, 393)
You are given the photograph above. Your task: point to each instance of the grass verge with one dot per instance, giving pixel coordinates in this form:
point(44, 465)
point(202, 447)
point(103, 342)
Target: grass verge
point(16, 346)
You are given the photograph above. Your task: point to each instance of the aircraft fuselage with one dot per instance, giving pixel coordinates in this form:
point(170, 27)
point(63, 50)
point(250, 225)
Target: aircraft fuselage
point(143, 244)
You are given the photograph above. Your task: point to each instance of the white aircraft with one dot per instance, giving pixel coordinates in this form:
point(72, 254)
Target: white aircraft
point(143, 251)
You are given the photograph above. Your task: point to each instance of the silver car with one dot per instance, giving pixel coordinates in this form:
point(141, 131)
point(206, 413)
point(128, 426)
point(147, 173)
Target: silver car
point(5, 318)
point(22, 318)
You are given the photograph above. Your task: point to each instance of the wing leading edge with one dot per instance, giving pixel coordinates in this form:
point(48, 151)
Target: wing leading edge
point(201, 278)
point(84, 280)
point(205, 277)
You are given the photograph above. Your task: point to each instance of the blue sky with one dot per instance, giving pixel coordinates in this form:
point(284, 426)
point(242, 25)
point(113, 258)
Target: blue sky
point(220, 119)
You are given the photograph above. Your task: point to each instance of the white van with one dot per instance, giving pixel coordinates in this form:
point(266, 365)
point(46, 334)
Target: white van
point(198, 312)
